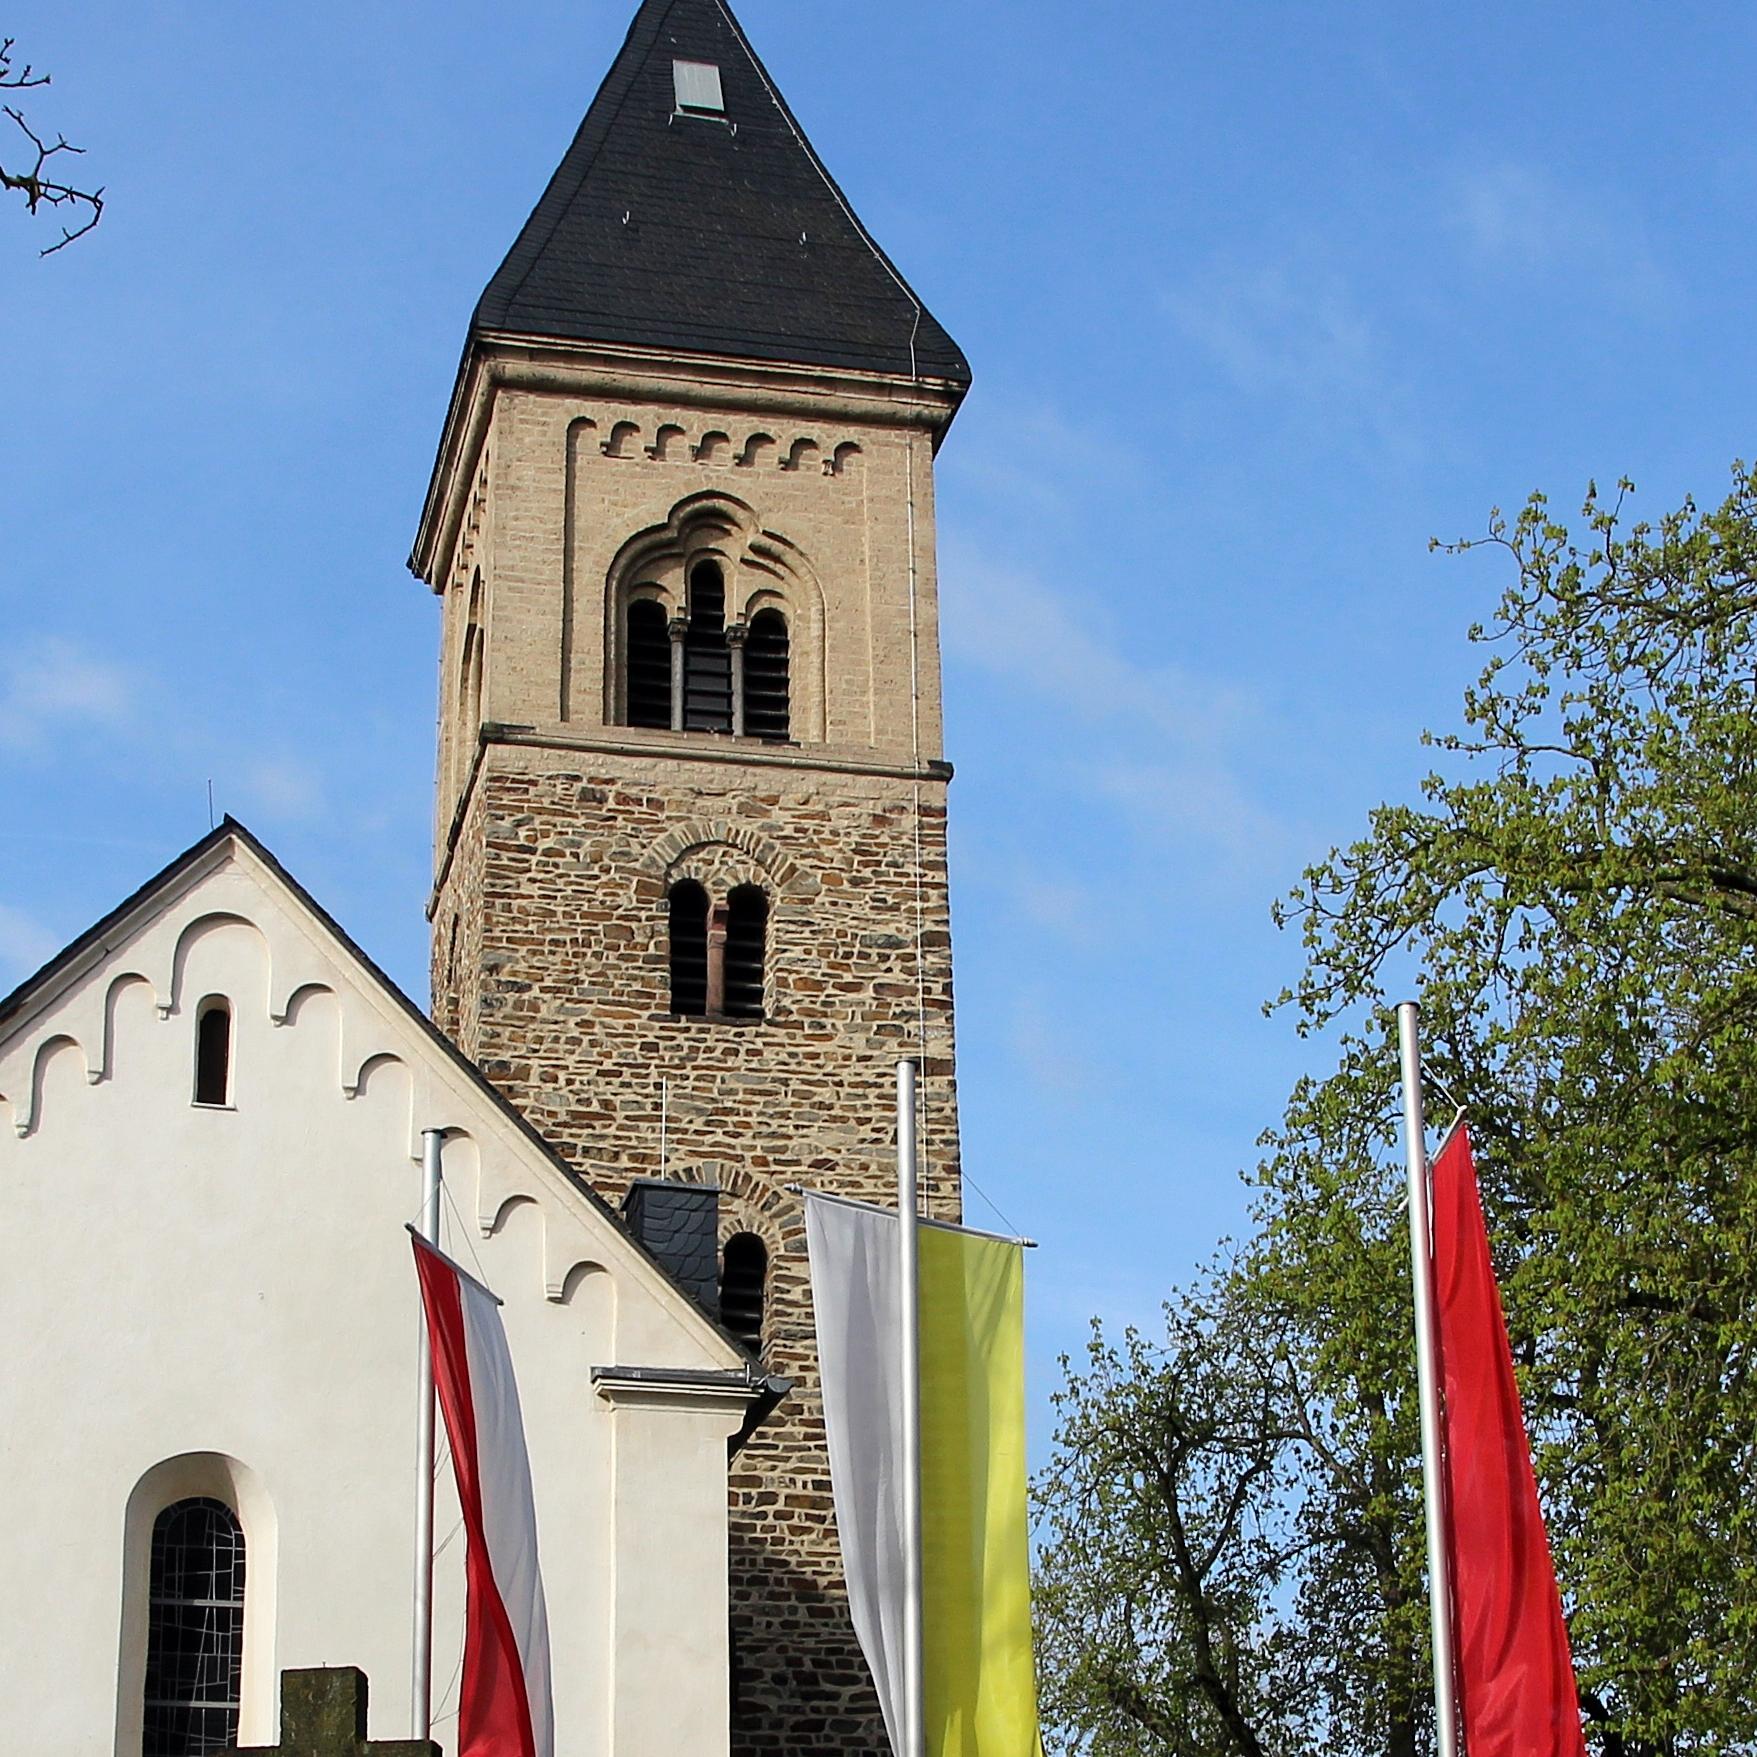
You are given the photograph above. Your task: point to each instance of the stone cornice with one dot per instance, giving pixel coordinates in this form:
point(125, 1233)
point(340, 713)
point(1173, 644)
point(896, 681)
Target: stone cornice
point(668, 747)
point(671, 1388)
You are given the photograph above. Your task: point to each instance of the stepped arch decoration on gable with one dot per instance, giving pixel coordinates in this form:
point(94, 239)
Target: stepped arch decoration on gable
point(761, 569)
point(281, 979)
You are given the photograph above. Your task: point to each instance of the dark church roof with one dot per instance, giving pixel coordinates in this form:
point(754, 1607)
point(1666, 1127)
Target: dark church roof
point(696, 232)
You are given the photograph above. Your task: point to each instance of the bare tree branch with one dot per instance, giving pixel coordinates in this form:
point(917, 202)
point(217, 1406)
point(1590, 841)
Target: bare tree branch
point(40, 185)
point(24, 77)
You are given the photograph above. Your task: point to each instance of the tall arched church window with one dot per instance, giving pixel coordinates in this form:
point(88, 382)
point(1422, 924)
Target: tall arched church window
point(707, 660)
point(767, 708)
point(649, 665)
point(689, 949)
point(213, 1051)
point(195, 1630)
point(747, 923)
point(744, 1273)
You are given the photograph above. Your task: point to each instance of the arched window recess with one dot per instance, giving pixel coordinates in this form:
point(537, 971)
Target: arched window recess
point(744, 1274)
point(707, 656)
point(689, 949)
point(213, 1052)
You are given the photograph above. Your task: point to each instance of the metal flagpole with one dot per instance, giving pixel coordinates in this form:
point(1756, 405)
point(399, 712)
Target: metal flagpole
point(1427, 1362)
point(914, 1706)
point(421, 1690)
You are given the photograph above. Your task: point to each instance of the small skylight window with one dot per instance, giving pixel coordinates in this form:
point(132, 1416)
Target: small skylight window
point(697, 84)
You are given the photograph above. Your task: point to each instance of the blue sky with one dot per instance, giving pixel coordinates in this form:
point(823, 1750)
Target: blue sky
point(1258, 298)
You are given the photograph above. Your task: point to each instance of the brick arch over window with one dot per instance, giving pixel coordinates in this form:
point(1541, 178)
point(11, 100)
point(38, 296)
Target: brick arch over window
point(713, 546)
point(734, 851)
point(726, 905)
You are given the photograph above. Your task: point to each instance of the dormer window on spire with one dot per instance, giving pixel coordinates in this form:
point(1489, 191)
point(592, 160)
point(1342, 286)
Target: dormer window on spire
point(696, 85)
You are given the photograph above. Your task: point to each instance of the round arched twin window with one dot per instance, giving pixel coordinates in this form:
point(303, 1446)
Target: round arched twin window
point(718, 952)
point(699, 675)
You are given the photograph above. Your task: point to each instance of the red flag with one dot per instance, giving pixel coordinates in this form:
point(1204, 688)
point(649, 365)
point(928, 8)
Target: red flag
point(1515, 1673)
point(505, 1708)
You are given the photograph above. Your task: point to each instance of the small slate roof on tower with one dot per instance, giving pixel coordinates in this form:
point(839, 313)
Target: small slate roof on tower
point(670, 225)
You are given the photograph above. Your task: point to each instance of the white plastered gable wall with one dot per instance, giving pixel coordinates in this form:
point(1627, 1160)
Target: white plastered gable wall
point(200, 1300)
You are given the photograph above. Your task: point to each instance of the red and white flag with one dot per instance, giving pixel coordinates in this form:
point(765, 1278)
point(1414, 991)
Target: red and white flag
point(505, 1706)
point(1514, 1671)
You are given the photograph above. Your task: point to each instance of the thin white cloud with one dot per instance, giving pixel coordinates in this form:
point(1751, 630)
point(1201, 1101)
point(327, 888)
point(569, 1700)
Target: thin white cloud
point(1002, 442)
point(1007, 620)
point(1292, 327)
point(1069, 910)
point(1509, 213)
point(1199, 798)
point(52, 685)
point(284, 786)
point(1048, 1051)
point(1173, 741)
point(1517, 218)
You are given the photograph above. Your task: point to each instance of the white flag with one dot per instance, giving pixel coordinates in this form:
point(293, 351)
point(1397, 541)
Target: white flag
point(857, 1293)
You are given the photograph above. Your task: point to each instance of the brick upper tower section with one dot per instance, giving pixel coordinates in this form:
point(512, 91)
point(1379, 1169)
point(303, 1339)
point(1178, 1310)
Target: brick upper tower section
point(689, 900)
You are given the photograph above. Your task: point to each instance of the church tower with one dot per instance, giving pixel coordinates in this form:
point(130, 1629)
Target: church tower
point(689, 902)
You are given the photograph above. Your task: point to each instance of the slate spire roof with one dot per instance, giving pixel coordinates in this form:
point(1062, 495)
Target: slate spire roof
point(703, 233)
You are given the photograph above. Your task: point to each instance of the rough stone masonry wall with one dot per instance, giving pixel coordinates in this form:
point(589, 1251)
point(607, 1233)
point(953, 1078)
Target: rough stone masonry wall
point(566, 860)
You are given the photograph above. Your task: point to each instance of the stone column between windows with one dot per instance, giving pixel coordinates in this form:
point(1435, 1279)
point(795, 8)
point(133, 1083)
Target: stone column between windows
point(678, 627)
point(717, 961)
point(736, 636)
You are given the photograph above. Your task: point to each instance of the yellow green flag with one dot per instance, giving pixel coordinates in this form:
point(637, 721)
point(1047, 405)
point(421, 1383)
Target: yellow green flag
point(975, 1553)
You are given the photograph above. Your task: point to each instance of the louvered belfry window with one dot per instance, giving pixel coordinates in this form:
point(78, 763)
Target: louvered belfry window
point(717, 952)
point(649, 665)
point(766, 703)
point(689, 949)
point(707, 660)
point(195, 1630)
point(747, 921)
point(744, 1273)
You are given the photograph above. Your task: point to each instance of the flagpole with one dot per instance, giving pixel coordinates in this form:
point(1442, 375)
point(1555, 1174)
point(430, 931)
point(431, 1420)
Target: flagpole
point(914, 1706)
point(421, 1679)
point(1427, 1361)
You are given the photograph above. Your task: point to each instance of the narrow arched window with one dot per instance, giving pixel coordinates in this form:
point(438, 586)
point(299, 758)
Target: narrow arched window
point(649, 665)
point(767, 709)
point(744, 1274)
point(707, 660)
point(213, 1051)
point(689, 949)
point(195, 1630)
point(470, 675)
point(747, 925)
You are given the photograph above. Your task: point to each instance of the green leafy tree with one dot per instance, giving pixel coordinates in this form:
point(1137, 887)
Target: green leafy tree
point(1575, 893)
